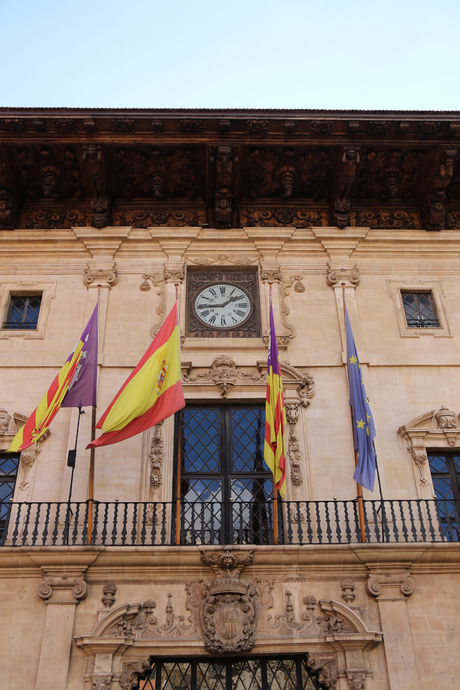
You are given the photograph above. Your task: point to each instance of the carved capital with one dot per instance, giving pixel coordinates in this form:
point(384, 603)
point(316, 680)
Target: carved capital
point(390, 585)
point(338, 275)
point(356, 681)
point(63, 590)
point(101, 682)
point(271, 275)
point(94, 276)
point(175, 274)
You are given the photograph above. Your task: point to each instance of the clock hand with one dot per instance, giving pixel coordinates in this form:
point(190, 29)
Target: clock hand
point(215, 306)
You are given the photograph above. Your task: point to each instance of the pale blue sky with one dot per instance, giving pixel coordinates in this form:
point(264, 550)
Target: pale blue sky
point(343, 54)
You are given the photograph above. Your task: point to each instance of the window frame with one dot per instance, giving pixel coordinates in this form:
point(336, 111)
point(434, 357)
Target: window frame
point(27, 297)
point(47, 291)
point(396, 288)
point(433, 308)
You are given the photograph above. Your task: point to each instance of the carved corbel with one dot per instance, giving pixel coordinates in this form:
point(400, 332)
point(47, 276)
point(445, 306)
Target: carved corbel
point(101, 682)
point(100, 199)
point(434, 206)
point(356, 681)
point(228, 563)
point(338, 275)
point(100, 275)
point(347, 176)
point(324, 665)
point(388, 585)
point(63, 590)
point(5, 420)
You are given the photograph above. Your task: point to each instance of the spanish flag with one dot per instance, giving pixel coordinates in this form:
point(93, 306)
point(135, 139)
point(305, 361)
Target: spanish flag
point(80, 371)
point(151, 393)
point(275, 414)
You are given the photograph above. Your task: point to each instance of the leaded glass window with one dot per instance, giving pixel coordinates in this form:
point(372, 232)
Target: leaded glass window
point(225, 486)
point(23, 312)
point(229, 674)
point(445, 473)
point(420, 310)
point(8, 474)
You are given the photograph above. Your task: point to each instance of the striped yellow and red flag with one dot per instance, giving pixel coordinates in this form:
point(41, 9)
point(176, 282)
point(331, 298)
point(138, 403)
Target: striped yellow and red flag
point(275, 415)
point(40, 419)
point(151, 393)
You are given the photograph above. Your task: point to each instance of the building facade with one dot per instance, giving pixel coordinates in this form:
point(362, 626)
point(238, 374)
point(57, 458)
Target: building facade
point(183, 572)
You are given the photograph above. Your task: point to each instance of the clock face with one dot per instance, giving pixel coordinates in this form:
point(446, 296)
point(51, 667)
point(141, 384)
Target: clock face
point(223, 305)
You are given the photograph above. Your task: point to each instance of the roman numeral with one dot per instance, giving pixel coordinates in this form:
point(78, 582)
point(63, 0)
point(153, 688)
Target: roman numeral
point(205, 313)
point(213, 292)
point(239, 312)
point(222, 290)
point(244, 305)
point(213, 319)
point(222, 321)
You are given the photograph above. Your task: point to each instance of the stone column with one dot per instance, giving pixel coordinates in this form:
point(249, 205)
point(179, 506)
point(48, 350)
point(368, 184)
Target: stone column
point(61, 594)
point(391, 589)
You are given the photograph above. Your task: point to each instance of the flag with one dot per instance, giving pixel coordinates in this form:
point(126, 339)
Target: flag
point(364, 429)
point(275, 414)
point(151, 393)
point(74, 386)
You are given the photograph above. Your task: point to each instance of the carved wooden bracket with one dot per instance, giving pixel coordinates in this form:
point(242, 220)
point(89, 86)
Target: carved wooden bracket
point(346, 178)
point(431, 429)
point(434, 205)
point(101, 205)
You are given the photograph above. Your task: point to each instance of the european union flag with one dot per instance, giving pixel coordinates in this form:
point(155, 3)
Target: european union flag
point(364, 431)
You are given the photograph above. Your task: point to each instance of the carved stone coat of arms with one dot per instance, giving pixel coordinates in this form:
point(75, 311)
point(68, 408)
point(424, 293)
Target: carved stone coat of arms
point(228, 615)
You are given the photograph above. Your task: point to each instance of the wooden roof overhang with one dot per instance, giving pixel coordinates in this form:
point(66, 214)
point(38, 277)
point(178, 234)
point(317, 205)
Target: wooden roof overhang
point(229, 168)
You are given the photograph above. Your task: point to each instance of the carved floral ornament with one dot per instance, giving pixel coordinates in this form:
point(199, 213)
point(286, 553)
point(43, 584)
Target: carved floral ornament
point(437, 428)
point(230, 615)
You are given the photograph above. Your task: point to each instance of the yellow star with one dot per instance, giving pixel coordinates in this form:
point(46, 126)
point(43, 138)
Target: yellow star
point(367, 430)
point(353, 360)
point(361, 424)
point(368, 417)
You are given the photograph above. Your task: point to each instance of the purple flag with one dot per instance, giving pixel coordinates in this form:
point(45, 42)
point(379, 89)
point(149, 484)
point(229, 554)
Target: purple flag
point(83, 387)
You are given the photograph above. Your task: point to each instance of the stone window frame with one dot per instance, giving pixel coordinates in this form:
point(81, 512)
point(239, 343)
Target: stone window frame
point(397, 287)
point(7, 290)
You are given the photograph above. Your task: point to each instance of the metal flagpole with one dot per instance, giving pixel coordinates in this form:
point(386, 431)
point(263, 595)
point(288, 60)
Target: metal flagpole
point(92, 450)
point(179, 446)
point(71, 458)
point(275, 491)
point(359, 488)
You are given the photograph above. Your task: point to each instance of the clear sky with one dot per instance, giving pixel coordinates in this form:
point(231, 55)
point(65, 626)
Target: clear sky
point(343, 54)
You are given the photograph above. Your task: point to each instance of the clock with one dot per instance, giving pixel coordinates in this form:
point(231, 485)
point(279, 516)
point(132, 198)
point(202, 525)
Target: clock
point(223, 305)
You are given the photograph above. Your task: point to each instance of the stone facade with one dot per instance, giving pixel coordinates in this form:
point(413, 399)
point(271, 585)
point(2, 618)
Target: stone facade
point(373, 616)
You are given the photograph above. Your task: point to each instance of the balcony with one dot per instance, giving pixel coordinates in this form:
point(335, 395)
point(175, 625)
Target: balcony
point(299, 523)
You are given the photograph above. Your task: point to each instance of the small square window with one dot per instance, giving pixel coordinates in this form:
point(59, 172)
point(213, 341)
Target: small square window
point(420, 310)
point(23, 312)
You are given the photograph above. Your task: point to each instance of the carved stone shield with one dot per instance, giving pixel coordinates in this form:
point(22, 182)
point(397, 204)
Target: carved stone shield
point(228, 615)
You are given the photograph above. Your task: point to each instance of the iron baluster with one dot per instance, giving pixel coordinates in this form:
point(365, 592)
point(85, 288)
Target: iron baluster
point(46, 523)
point(393, 517)
point(412, 521)
point(328, 522)
point(153, 531)
point(26, 525)
point(356, 516)
point(403, 522)
point(115, 526)
point(211, 527)
point(104, 524)
point(319, 531)
point(36, 522)
point(124, 530)
point(299, 524)
point(144, 518)
point(134, 529)
point(385, 527)
point(75, 527)
point(338, 530)
point(9, 509)
point(376, 521)
point(347, 522)
point(14, 536)
point(309, 528)
point(422, 520)
point(430, 521)
point(163, 523)
point(94, 528)
point(290, 535)
point(56, 524)
point(366, 522)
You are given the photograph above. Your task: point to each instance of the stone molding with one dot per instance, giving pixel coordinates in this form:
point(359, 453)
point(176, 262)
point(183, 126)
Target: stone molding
point(437, 428)
point(63, 590)
point(92, 277)
point(390, 586)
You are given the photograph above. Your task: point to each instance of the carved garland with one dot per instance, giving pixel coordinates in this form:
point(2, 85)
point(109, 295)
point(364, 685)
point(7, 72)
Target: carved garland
point(285, 283)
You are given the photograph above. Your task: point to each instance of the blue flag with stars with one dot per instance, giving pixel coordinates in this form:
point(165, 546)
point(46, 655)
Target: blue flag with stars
point(364, 431)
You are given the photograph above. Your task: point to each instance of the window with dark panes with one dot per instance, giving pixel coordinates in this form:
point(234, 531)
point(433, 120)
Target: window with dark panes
point(264, 673)
point(445, 473)
point(23, 312)
point(420, 310)
point(8, 474)
point(225, 485)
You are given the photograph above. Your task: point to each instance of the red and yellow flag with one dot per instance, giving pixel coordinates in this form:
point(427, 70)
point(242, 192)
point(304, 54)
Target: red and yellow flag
point(41, 418)
point(151, 393)
point(275, 415)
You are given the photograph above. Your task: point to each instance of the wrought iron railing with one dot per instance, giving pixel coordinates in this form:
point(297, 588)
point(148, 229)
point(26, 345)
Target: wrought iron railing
point(299, 522)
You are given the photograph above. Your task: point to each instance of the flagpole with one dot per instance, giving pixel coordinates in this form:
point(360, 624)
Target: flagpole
point(91, 455)
point(359, 487)
point(179, 445)
point(71, 459)
point(275, 491)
